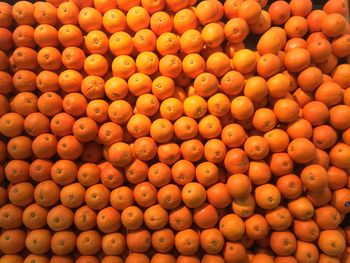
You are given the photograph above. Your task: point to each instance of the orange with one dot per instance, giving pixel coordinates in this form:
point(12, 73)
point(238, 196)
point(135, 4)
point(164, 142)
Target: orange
point(249, 11)
point(338, 155)
point(120, 111)
point(333, 25)
point(301, 150)
point(63, 243)
point(7, 41)
point(153, 7)
point(269, 42)
point(70, 35)
point(144, 40)
point(104, 5)
point(170, 66)
point(256, 147)
point(295, 42)
point(232, 83)
point(315, 19)
point(147, 62)
point(209, 127)
point(6, 19)
point(281, 164)
point(213, 34)
point(90, 19)
point(7, 85)
point(163, 87)
point(88, 242)
point(268, 65)
point(255, 89)
point(96, 64)
point(67, 13)
point(120, 154)
point(50, 104)
point(59, 218)
point(97, 110)
point(123, 66)
point(279, 12)
point(212, 241)
point(24, 58)
point(256, 227)
point(262, 24)
point(267, 196)
point(116, 88)
point(23, 13)
point(12, 241)
point(24, 36)
point(336, 115)
point(279, 218)
point(187, 242)
point(192, 150)
point(69, 80)
point(69, 147)
point(207, 12)
point(206, 84)
point(219, 105)
point(137, 18)
point(176, 5)
point(310, 78)
point(185, 19)
point(62, 124)
point(74, 104)
point(297, 59)
point(216, 59)
point(286, 110)
point(145, 194)
point(73, 58)
point(264, 119)
point(193, 65)
point(45, 13)
point(36, 123)
point(331, 242)
point(126, 5)
point(283, 243)
point(139, 125)
point(96, 42)
point(121, 43)
point(162, 130)
point(12, 124)
point(340, 46)
point(92, 87)
point(191, 41)
point(114, 20)
point(161, 22)
point(168, 43)
point(242, 108)
point(137, 257)
point(244, 61)
point(171, 109)
point(236, 30)
point(39, 170)
point(321, 51)
point(334, 93)
point(113, 244)
point(296, 26)
point(236, 161)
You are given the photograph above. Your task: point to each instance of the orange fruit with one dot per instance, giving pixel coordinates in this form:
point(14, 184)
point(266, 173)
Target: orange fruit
point(333, 25)
point(90, 19)
point(236, 30)
point(137, 18)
